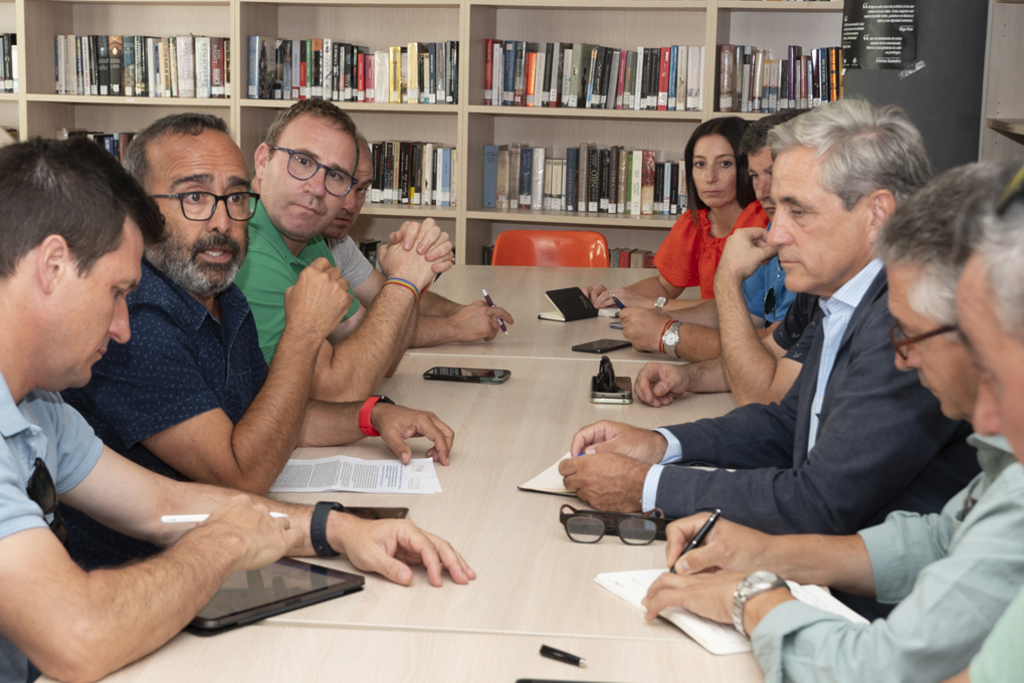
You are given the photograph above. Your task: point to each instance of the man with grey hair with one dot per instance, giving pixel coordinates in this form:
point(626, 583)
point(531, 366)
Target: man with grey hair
point(855, 438)
point(990, 302)
point(190, 395)
point(952, 574)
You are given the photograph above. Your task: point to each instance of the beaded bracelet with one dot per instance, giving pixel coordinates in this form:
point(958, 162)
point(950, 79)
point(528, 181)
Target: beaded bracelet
point(404, 283)
point(661, 338)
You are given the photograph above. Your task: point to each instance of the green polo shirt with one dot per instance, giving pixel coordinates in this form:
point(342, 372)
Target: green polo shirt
point(269, 269)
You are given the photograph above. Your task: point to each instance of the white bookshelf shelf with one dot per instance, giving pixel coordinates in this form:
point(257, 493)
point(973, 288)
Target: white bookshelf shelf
point(574, 113)
point(783, 5)
point(410, 212)
point(384, 107)
point(540, 216)
point(183, 102)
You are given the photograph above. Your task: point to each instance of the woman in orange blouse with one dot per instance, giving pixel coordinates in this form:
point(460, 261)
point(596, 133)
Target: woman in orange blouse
point(721, 199)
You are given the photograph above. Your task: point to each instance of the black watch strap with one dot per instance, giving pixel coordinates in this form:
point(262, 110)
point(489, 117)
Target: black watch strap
point(318, 528)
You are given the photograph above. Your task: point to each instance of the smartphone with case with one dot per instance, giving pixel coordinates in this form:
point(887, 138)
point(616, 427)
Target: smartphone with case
point(475, 375)
point(601, 346)
point(622, 395)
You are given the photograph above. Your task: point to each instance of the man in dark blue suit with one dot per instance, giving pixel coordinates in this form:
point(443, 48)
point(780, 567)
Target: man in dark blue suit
point(854, 438)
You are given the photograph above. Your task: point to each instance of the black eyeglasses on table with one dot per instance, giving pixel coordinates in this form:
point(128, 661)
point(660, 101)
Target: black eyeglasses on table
point(590, 526)
point(303, 167)
point(200, 206)
point(901, 342)
point(44, 494)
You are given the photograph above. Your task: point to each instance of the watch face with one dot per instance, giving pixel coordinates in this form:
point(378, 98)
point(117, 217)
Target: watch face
point(672, 337)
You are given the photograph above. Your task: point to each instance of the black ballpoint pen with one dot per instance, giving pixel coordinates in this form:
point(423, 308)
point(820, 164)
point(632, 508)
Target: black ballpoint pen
point(558, 655)
point(699, 538)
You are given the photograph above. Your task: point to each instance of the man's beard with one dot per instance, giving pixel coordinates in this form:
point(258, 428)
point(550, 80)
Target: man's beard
point(199, 278)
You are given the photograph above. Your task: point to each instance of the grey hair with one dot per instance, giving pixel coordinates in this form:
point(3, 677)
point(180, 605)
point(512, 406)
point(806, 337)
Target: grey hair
point(936, 230)
point(862, 148)
point(188, 123)
point(1002, 253)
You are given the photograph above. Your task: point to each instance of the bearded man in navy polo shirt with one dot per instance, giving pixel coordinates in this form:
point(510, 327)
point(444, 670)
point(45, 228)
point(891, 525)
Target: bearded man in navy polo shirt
point(190, 395)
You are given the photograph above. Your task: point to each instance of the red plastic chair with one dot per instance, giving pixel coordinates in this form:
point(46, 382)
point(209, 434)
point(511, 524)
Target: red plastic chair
point(580, 249)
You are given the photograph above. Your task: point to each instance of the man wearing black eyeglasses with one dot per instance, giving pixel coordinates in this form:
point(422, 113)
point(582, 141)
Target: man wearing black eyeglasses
point(952, 574)
point(73, 227)
point(190, 395)
point(305, 168)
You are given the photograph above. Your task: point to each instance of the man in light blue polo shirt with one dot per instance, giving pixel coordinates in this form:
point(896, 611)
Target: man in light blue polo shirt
point(73, 226)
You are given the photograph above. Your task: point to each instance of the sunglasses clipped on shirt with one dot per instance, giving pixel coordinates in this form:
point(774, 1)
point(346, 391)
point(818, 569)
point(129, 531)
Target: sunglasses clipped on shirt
point(44, 494)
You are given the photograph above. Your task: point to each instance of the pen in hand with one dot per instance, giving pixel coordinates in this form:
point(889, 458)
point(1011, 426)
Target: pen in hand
point(195, 519)
point(487, 298)
point(699, 538)
point(618, 303)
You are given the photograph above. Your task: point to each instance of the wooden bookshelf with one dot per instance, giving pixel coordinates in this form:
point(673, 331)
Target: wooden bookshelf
point(1002, 135)
point(468, 125)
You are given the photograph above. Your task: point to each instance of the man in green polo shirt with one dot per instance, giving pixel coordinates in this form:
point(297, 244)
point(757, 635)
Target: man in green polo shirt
point(304, 170)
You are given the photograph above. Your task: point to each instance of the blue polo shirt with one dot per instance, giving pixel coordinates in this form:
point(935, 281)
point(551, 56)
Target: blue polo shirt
point(770, 276)
point(180, 362)
point(41, 426)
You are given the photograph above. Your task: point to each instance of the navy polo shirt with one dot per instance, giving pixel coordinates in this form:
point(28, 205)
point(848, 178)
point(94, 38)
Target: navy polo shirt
point(180, 362)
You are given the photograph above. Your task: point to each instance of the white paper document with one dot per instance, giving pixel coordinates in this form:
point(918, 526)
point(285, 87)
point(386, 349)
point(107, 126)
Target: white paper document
point(716, 638)
point(345, 473)
point(549, 481)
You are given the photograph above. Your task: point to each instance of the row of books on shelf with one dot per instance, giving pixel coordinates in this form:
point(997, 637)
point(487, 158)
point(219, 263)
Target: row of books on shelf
point(9, 62)
point(587, 76)
point(115, 143)
point(415, 73)
point(143, 66)
point(751, 80)
point(418, 173)
point(589, 179)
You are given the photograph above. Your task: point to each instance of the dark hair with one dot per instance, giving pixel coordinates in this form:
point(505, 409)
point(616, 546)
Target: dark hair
point(322, 109)
point(70, 188)
point(731, 128)
point(189, 123)
point(756, 136)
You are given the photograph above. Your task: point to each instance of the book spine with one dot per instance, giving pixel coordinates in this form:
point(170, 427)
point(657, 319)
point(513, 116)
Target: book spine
point(490, 198)
point(726, 71)
point(202, 67)
point(538, 169)
point(525, 178)
point(115, 51)
point(502, 179)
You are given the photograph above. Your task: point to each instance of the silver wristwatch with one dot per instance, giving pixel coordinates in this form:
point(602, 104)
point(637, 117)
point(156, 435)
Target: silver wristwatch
point(670, 340)
point(659, 303)
point(754, 584)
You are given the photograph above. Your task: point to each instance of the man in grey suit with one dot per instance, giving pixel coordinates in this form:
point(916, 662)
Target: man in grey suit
point(854, 438)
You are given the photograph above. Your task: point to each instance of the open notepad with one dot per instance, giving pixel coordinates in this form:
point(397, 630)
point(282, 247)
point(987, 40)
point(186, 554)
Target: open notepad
point(716, 638)
point(549, 481)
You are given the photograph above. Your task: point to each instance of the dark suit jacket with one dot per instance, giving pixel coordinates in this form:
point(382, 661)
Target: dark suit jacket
point(882, 445)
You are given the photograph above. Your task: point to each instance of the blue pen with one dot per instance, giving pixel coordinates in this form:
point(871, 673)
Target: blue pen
point(615, 326)
point(487, 298)
point(618, 303)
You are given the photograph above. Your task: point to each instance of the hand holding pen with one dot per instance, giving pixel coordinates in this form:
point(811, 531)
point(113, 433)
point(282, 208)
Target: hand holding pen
point(487, 298)
point(699, 537)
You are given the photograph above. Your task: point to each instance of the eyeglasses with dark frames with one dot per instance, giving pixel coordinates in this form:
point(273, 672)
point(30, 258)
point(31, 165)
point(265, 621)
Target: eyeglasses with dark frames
point(901, 342)
point(44, 494)
point(303, 167)
point(200, 206)
point(590, 526)
point(1013, 192)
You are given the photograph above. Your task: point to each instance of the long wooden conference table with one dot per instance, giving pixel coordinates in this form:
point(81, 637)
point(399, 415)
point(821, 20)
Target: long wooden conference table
point(534, 585)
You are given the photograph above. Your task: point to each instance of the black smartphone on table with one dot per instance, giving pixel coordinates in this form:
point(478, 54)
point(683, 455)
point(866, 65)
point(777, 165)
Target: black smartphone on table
point(602, 346)
point(475, 375)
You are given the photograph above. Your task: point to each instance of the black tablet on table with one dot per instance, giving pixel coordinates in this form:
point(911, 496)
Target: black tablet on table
point(249, 596)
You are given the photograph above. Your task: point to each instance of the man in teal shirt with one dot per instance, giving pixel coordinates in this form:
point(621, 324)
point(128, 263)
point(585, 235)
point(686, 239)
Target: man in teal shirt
point(304, 170)
point(990, 306)
point(952, 574)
